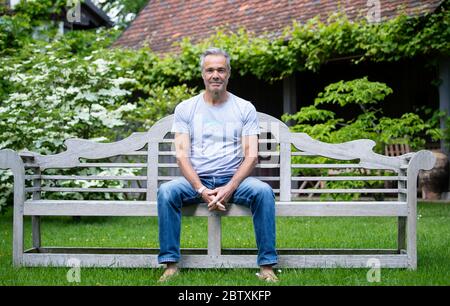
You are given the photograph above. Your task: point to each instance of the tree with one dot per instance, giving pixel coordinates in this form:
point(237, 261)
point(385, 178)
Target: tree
point(121, 12)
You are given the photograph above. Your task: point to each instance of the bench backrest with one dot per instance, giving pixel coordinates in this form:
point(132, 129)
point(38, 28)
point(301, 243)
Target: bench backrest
point(295, 165)
point(273, 133)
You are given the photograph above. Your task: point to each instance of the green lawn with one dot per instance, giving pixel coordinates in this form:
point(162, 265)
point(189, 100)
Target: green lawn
point(326, 232)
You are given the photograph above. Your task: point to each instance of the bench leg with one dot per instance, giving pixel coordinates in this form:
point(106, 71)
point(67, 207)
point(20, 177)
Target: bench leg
point(411, 245)
point(214, 235)
point(401, 234)
point(36, 231)
point(36, 220)
point(18, 237)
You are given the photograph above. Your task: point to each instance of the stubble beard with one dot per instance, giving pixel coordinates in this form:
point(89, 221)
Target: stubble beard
point(215, 93)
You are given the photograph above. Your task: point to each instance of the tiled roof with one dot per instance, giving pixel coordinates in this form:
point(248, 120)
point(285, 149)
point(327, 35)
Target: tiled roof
point(163, 22)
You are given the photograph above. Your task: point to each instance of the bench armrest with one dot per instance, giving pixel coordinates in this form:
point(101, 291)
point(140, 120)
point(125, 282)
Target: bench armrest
point(421, 160)
point(10, 159)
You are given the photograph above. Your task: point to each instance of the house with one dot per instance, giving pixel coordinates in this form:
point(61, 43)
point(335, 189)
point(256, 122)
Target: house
point(90, 17)
point(161, 23)
point(77, 15)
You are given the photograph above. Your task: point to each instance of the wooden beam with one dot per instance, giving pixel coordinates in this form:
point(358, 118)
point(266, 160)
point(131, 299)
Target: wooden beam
point(222, 261)
point(444, 95)
point(289, 95)
point(149, 208)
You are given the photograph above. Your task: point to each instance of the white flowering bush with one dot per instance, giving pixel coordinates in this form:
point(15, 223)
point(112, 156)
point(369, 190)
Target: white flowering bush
point(61, 98)
point(53, 97)
point(53, 91)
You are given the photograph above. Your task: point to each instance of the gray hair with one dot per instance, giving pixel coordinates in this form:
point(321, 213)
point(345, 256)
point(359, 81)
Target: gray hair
point(214, 51)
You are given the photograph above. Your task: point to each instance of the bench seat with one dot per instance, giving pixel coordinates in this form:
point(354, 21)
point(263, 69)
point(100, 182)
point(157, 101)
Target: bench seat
point(149, 208)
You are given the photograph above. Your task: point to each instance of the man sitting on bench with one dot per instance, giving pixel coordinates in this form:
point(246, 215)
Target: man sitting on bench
point(216, 141)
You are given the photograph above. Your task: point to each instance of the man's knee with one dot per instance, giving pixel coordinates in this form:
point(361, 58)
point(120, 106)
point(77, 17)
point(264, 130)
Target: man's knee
point(261, 189)
point(166, 192)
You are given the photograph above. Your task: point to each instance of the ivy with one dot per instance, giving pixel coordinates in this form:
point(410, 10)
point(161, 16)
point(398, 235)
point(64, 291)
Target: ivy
point(308, 46)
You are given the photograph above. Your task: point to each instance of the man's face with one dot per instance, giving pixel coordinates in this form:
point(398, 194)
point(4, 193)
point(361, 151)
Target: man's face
point(215, 73)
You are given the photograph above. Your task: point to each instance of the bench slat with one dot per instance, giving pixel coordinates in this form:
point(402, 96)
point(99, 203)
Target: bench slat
point(116, 190)
point(349, 178)
point(171, 140)
point(399, 190)
point(86, 177)
point(275, 153)
point(112, 165)
point(327, 166)
point(221, 261)
point(302, 154)
point(260, 153)
point(174, 165)
point(97, 165)
point(199, 251)
point(149, 208)
point(263, 178)
point(135, 153)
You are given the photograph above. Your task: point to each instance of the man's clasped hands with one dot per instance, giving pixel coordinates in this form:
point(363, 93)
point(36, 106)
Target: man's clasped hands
point(218, 197)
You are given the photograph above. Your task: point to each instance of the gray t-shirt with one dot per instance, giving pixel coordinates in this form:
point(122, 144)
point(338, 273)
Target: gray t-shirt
point(215, 132)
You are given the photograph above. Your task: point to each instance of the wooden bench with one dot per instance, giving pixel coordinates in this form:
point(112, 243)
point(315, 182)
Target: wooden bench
point(151, 154)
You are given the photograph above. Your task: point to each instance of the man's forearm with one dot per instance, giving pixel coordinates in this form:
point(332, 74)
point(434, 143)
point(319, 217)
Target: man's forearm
point(244, 170)
point(188, 172)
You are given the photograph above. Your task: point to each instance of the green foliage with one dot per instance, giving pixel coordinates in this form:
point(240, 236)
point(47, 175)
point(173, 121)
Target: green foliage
point(73, 87)
point(40, 9)
point(15, 33)
point(122, 12)
point(358, 91)
point(307, 46)
point(446, 132)
point(160, 102)
point(61, 97)
point(16, 30)
point(323, 125)
point(6, 189)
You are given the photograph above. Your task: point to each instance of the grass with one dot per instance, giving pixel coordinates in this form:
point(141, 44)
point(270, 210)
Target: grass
point(324, 232)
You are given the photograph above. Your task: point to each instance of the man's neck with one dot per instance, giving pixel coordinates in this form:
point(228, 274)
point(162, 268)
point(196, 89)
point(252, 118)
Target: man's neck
point(215, 98)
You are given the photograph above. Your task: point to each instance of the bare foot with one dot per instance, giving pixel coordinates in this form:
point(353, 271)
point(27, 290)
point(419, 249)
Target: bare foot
point(170, 272)
point(266, 274)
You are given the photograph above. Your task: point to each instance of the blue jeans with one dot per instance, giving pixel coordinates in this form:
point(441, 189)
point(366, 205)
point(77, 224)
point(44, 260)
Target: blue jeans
point(252, 193)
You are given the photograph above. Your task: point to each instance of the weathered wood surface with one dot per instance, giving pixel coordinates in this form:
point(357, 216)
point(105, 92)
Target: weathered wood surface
point(199, 251)
point(149, 208)
point(422, 160)
point(357, 149)
point(36, 220)
point(81, 148)
point(210, 261)
point(11, 160)
point(214, 235)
